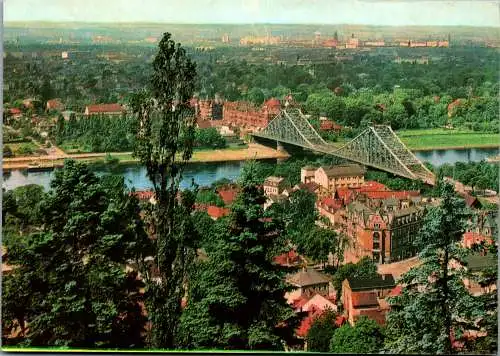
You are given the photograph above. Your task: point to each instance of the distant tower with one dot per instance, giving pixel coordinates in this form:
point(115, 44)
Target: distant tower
point(352, 36)
point(336, 36)
point(449, 38)
point(225, 38)
point(317, 36)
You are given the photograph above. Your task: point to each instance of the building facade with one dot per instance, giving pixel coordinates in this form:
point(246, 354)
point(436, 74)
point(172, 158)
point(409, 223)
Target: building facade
point(332, 178)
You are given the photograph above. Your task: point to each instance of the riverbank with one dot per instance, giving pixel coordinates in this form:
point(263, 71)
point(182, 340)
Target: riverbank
point(253, 151)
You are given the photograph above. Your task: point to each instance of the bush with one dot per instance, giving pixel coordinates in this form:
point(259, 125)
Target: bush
point(7, 152)
point(25, 149)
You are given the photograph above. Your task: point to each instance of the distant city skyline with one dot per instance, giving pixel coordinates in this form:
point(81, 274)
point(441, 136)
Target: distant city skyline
point(363, 12)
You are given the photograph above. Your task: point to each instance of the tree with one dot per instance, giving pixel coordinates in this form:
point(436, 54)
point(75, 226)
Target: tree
point(255, 96)
point(164, 143)
point(209, 138)
point(366, 336)
point(7, 151)
point(69, 285)
point(321, 332)
point(434, 288)
point(207, 196)
point(236, 300)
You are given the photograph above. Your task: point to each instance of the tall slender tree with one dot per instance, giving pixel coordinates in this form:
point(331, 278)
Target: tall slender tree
point(164, 143)
point(237, 299)
point(434, 305)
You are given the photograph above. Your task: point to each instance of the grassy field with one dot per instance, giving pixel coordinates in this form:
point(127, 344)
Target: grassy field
point(71, 147)
point(443, 138)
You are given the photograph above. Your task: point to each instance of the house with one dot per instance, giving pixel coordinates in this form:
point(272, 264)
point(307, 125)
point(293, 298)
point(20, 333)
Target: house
point(55, 104)
point(16, 113)
point(471, 201)
point(273, 186)
point(216, 212)
point(227, 195)
point(104, 109)
point(366, 297)
point(311, 187)
point(476, 264)
point(203, 124)
point(472, 238)
point(275, 199)
point(383, 229)
point(307, 174)
point(340, 176)
point(144, 195)
point(328, 125)
point(67, 114)
point(307, 283)
point(289, 259)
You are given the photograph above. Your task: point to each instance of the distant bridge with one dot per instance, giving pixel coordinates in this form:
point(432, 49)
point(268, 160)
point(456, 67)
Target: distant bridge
point(377, 146)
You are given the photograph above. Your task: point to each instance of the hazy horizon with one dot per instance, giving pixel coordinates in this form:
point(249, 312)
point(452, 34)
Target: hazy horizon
point(393, 13)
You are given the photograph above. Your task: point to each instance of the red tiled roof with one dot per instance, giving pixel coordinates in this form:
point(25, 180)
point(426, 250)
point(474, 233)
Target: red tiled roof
point(217, 212)
point(331, 203)
point(299, 303)
point(228, 196)
point(310, 187)
point(371, 185)
point(345, 194)
point(287, 258)
point(455, 103)
point(273, 103)
point(203, 124)
point(395, 291)
point(329, 125)
point(471, 238)
point(391, 194)
point(104, 108)
point(470, 200)
point(15, 111)
point(143, 194)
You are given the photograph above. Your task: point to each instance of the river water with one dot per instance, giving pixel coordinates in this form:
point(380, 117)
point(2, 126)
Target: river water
point(204, 174)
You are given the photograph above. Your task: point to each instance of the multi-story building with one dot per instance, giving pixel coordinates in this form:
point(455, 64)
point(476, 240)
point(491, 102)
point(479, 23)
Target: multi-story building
point(382, 227)
point(334, 177)
point(273, 186)
point(239, 113)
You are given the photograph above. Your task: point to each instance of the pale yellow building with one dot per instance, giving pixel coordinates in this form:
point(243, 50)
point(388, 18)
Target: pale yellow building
point(334, 177)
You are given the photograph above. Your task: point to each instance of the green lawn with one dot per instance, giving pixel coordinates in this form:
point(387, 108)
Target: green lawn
point(72, 147)
point(437, 131)
point(442, 138)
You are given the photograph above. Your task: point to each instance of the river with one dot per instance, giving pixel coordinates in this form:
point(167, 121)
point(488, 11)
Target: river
point(205, 174)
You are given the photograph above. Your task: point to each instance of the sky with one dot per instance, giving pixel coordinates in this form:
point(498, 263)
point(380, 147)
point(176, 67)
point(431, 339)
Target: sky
point(367, 12)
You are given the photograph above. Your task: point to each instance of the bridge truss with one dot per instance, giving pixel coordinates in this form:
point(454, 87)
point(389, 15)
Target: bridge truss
point(377, 146)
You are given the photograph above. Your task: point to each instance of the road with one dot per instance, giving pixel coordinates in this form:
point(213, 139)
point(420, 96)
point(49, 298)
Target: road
point(56, 156)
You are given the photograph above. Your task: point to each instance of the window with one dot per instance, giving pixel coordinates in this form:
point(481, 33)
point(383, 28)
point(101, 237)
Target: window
point(376, 257)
